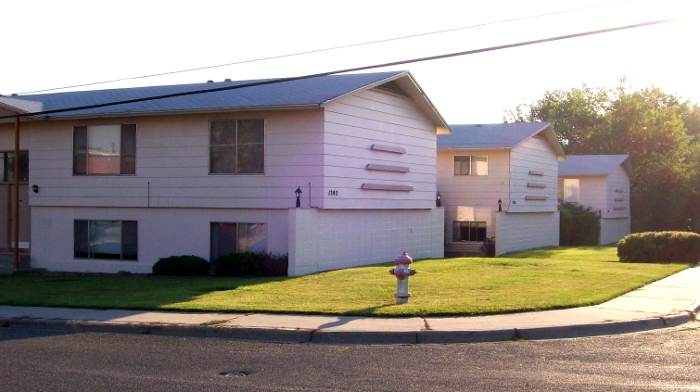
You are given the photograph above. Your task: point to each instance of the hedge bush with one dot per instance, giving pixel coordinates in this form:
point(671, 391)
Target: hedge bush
point(660, 247)
point(181, 266)
point(251, 264)
point(578, 226)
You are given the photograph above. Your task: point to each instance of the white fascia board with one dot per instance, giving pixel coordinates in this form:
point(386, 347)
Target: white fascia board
point(21, 105)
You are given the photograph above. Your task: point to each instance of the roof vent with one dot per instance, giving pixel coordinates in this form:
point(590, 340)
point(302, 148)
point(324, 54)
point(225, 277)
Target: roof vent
point(227, 80)
point(14, 94)
point(392, 87)
point(210, 81)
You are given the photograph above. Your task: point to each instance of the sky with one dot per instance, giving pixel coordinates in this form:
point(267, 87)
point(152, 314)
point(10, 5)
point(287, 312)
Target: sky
point(50, 44)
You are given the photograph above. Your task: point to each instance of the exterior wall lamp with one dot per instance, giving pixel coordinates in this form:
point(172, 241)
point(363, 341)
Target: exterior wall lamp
point(35, 188)
point(500, 203)
point(438, 203)
point(298, 193)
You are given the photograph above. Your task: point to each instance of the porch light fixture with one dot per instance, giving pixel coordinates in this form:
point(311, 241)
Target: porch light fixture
point(438, 203)
point(298, 193)
point(500, 203)
point(35, 188)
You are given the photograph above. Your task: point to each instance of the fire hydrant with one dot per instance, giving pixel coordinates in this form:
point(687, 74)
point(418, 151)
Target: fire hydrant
point(402, 272)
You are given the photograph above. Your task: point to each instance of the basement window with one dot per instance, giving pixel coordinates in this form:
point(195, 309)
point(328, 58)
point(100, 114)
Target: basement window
point(105, 239)
point(468, 231)
point(229, 238)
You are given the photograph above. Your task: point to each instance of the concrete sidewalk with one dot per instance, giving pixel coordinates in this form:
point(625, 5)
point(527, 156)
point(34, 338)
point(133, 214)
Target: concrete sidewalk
point(669, 302)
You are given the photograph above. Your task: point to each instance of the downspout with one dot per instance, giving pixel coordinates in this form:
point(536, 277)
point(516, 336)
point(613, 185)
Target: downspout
point(15, 221)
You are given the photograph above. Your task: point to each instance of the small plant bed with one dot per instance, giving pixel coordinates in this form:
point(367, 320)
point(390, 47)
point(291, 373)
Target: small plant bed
point(524, 281)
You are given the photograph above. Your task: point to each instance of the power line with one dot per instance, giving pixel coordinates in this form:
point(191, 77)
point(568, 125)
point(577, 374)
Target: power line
point(276, 57)
point(363, 68)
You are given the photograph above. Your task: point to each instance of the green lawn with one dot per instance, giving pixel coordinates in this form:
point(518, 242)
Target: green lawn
point(531, 280)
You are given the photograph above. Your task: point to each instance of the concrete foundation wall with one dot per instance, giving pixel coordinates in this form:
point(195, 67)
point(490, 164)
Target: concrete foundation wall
point(612, 230)
point(526, 230)
point(321, 240)
point(162, 232)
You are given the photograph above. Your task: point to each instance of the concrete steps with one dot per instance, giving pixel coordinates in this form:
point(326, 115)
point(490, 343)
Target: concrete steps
point(464, 249)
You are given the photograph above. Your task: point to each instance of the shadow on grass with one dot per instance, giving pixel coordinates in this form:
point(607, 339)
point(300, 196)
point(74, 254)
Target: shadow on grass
point(115, 292)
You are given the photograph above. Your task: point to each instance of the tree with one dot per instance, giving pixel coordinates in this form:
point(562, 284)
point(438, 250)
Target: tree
point(659, 131)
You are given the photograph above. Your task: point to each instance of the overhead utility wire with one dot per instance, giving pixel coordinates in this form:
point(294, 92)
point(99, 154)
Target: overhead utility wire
point(363, 68)
point(276, 57)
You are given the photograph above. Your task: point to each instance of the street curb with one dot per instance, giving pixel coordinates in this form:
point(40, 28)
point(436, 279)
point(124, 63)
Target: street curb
point(237, 333)
point(695, 308)
point(448, 337)
point(363, 337)
point(353, 337)
point(584, 330)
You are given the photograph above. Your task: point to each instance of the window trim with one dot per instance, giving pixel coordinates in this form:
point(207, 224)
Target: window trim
point(454, 159)
point(121, 151)
point(87, 245)
point(235, 172)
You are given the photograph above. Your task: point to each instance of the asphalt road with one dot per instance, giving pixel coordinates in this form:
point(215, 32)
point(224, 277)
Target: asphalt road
point(34, 360)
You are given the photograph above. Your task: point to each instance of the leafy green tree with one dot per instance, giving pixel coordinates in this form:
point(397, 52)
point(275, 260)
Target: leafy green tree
point(659, 131)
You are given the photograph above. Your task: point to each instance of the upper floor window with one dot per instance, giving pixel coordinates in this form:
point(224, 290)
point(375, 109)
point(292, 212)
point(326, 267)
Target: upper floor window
point(237, 147)
point(104, 149)
point(568, 190)
point(7, 165)
point(471, 165)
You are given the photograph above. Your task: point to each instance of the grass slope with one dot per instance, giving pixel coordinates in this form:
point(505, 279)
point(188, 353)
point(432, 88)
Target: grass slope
point(531, 280)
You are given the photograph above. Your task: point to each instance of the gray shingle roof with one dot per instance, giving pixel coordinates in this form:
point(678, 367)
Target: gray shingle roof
point(312, 91)
point(593, 165)
point(488, 135)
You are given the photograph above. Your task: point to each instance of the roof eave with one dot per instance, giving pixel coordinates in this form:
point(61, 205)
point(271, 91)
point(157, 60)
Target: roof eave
point(182, 112)
point(475, 148)
point(581, 175)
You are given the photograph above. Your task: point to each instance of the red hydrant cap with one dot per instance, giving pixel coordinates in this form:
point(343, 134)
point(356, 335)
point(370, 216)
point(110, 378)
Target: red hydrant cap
point(404, 259)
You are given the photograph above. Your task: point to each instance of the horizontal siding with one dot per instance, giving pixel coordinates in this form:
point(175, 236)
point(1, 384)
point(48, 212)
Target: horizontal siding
point(473, 198)
point(618, 179)
point(7, 136)
point(173, 156)
point(593, 193)
point(533, 154)
point(356, 122)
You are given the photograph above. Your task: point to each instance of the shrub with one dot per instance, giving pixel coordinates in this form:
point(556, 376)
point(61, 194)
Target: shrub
point(181, 266)
point(251, 264)
point(578, 226)
point(660, 247)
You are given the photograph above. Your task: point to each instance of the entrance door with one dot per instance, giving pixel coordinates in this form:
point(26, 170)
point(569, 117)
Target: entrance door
point(7, 216)
point(7, 163)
